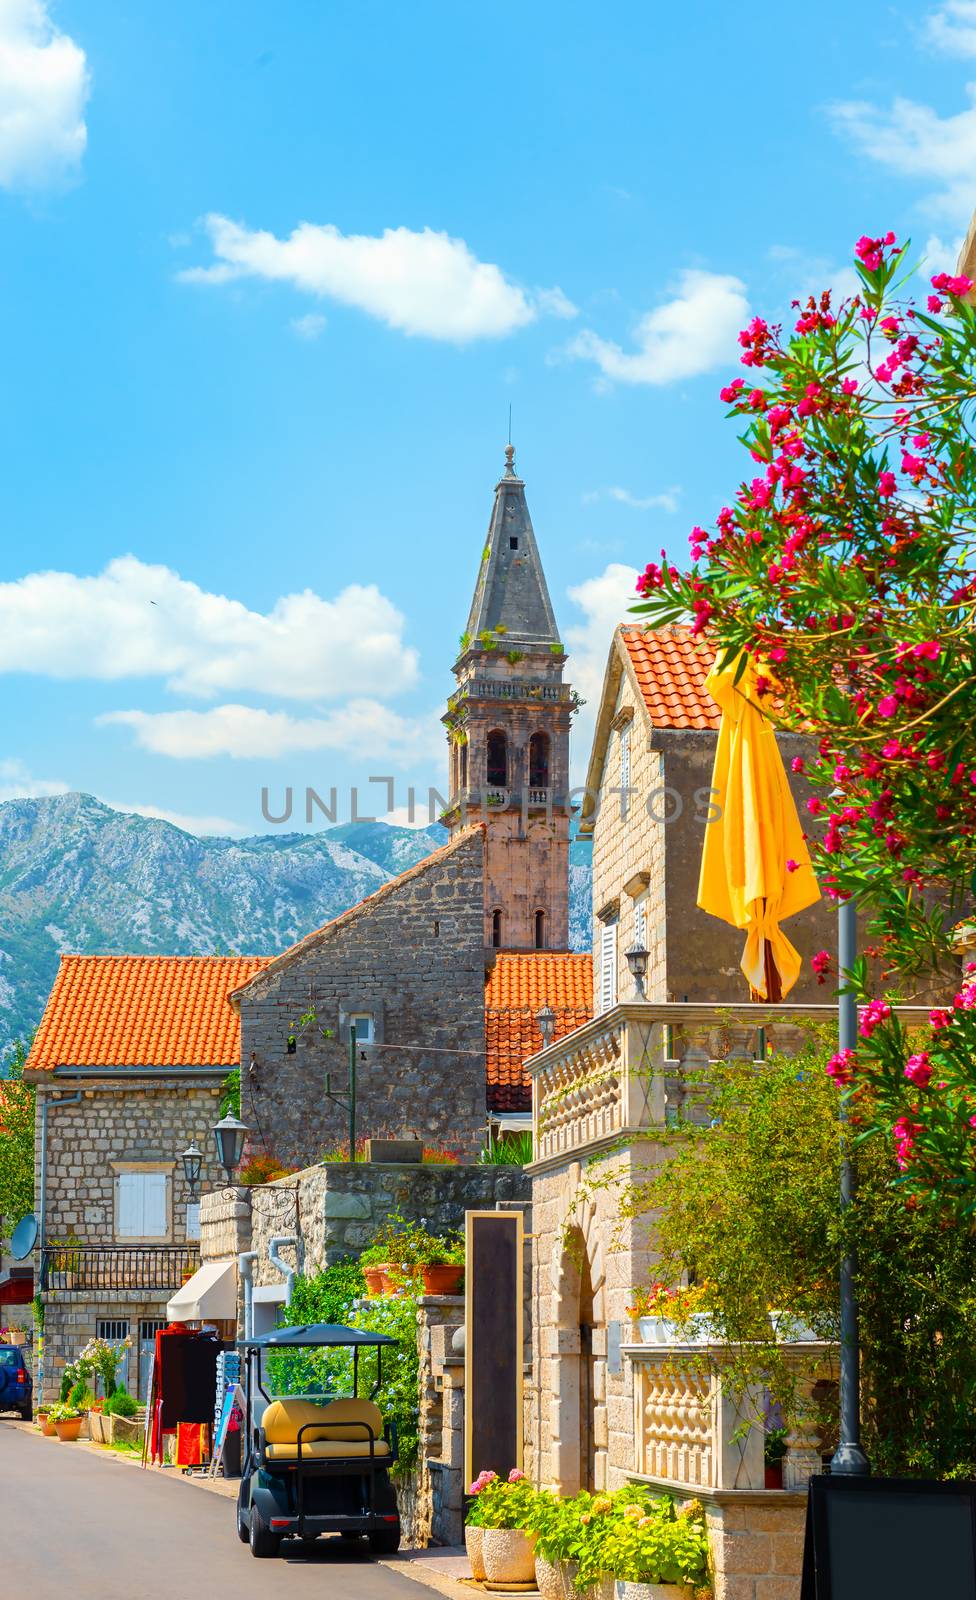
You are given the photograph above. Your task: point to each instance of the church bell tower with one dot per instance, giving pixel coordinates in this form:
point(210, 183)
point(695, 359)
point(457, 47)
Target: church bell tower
point(508, 733)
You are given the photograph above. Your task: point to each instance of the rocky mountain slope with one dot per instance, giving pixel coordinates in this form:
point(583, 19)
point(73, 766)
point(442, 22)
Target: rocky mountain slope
point(77, 876)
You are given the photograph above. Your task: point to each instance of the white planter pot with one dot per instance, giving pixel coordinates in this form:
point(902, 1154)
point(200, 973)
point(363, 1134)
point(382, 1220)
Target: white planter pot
point(788, 1329)
point(509, 1555)
point(661, 1330)
point(651, 1591)
point(473, 1540)
point(549, 1580)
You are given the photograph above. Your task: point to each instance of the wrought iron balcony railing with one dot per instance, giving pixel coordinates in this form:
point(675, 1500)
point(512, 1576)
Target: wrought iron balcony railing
point(83, 1269)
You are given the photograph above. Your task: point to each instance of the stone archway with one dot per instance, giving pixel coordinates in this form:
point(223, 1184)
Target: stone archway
point(578, 1360)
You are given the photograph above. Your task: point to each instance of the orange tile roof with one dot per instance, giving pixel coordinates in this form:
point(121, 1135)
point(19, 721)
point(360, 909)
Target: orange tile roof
point(671, 669)
point(142, 1011)
point(519, 984)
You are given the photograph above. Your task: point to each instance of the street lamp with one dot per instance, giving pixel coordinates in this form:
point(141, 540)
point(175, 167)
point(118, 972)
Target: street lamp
point(546, 1018)
point(848, 1459)
point(637, 962)
point(229, 1139)
point(192, 1160)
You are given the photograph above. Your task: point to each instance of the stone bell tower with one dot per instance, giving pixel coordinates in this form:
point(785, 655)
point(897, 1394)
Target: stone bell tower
point(508, 733)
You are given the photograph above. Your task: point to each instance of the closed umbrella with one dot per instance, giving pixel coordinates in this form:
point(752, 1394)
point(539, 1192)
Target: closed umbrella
point(744, 878)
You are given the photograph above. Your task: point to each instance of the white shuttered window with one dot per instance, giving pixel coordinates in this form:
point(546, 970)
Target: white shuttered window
point(142, 1205)
point(608, 966)
point(640, 922)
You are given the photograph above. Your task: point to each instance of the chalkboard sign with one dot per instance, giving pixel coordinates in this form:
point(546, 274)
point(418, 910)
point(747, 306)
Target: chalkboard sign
point(903, 1538)
point(493, 1352)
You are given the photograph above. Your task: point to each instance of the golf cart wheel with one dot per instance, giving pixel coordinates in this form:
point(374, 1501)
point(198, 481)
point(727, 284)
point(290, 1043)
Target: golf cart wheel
point(260, 1537)
point(243, 1529)
point(386, 1541)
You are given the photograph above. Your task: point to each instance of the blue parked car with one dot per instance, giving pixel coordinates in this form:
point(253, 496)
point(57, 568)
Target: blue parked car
point(16, 1383)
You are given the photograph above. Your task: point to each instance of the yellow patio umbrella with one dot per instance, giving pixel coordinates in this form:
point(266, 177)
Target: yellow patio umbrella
point(744, 877)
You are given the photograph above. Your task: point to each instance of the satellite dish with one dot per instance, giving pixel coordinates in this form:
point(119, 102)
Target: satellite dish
point(24, 1237)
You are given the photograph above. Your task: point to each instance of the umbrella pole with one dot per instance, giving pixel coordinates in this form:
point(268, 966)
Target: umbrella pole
point(848, 1460)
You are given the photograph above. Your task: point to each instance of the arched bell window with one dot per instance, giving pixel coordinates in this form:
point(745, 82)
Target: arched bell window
point(540, 930)
point(539, 761)
point(496, 751)
point(496, 930)
point(463, 766)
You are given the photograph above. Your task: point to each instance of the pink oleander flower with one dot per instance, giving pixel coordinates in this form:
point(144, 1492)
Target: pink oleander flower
point(821, 965)
point(875, 1012)
point(840, 1067)
point(886, 484)
point(918, 1070)
point(798, 764)
point(515, 1476)
point(888, 705)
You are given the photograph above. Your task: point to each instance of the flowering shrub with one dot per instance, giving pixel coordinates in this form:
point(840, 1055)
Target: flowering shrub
point(502, 1502)
point(846, 567)
point(627, 1534)
point(676, 1304)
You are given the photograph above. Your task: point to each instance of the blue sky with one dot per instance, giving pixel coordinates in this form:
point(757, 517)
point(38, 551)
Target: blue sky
point(271, 278)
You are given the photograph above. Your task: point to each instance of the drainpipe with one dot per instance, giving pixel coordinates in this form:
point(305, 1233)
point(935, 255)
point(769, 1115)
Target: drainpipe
point(245, 1267)
point(287, 1272)
point(67, 1100)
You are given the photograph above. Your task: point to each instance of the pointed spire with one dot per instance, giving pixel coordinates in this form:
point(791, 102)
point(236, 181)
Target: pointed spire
point(511, 592)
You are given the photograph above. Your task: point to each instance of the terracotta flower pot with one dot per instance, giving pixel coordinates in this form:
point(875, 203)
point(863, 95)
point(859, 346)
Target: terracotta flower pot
point(374, 1281)
point(473, 1540)
point(443, 1279)
point(68, 1430)
point(398, 1276)
point(509, 1555)
point(773, 1475)
point(46, 1427)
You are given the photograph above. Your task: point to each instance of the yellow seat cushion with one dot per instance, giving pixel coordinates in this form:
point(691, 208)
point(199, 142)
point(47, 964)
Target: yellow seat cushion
point(326, 1450)
point(283, 1418)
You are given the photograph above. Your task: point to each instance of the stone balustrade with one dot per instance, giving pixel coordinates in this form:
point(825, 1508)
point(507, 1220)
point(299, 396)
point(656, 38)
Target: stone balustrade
point(693, 1431)
point(640, 1066)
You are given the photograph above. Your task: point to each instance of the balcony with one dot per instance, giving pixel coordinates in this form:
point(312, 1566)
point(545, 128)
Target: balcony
point(640, 1066)
point(94, 1269)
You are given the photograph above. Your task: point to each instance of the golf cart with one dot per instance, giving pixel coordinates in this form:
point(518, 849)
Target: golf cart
point(317, 1453)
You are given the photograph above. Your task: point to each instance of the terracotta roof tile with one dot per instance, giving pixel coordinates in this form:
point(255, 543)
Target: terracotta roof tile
point(671, 669)
point(519, 984)
point(142, 1011)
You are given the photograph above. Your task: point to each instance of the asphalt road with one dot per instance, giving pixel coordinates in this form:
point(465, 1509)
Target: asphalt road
point(92, 1527)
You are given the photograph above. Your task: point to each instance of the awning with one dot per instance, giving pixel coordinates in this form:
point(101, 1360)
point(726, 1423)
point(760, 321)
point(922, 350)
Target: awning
point(209, 1296)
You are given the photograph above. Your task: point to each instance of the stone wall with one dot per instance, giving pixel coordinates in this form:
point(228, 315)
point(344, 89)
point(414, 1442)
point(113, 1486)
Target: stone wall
point(225, 1223)
point(756, 1545)
point(336, 1208)
point(628, 850)
point(585, 1265)
point(70, 1320)
point(412, 955)
point(150, 1121)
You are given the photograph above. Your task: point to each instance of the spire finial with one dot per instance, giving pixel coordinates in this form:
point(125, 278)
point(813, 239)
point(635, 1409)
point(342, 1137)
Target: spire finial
point(509, 460)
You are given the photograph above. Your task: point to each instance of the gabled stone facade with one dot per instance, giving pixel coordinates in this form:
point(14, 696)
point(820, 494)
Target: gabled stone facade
point(411, 959)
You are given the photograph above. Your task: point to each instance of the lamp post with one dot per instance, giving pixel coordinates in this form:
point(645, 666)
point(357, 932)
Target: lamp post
point(637, 962)
point(229, 1138)
point(546, 1018)
point(848, 1460)
point(192, 1160)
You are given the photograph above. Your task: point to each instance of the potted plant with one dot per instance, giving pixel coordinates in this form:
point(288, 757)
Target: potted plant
point(774, 1450)
point(443, 1265)
point(671, 1316)
point(67, 1421)
point(373, 1262)
point(503, 1508)
point(43, 1420)
point(658, 1553)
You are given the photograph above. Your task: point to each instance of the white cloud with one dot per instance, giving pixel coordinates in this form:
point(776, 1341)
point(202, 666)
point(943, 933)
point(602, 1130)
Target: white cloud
point(17, 783)
point(953, 28)
point(190, 822)
point(363, 728)
point(941, 255)
point(422, 283)
point(44, 86)
point(685, 336)
point(666, 500)
point(604, 601)
point(309, 327)
point(808, 274)
point(136, 620)
point(913, 141)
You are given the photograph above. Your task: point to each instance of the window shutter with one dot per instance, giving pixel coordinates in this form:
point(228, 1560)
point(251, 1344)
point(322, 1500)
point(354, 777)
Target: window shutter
point(130, 1205)
point(154, 1205)
point(640, 922)
point(625, 761)
point(608, 966)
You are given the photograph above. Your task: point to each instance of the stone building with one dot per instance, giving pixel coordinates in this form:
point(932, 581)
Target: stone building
point(508, 730)
point(128, 1064)
point(648, 798)
point(405, 967)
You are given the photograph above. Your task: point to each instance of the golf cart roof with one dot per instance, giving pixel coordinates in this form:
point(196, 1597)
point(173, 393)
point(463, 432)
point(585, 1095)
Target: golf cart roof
point(314, 1333)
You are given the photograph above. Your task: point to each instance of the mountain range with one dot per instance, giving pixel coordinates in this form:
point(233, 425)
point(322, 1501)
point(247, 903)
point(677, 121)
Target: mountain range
point(77, 876)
